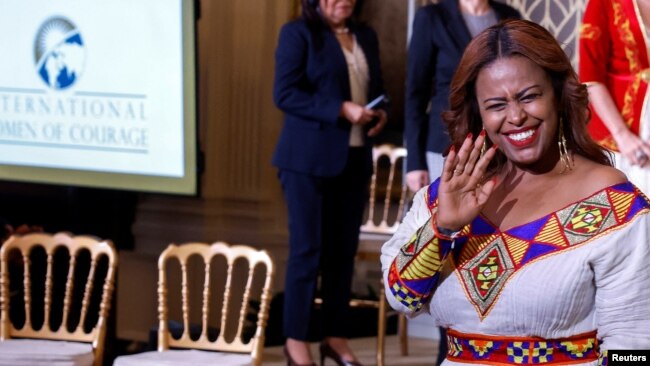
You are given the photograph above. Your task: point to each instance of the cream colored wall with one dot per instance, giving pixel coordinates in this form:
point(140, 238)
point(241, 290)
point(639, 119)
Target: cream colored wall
point(241, 200)
point(389, 18)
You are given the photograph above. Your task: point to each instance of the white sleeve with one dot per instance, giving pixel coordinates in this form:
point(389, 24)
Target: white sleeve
point(622, 279)
point(414, 219)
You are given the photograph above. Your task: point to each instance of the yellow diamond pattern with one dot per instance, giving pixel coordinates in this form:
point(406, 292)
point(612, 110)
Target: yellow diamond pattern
point(587, 219)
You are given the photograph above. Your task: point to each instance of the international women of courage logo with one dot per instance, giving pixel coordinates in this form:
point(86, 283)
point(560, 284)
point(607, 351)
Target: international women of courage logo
point(59, 53)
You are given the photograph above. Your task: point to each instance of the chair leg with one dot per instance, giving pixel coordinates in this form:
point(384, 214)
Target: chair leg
point(403, 334)
point(381, 327)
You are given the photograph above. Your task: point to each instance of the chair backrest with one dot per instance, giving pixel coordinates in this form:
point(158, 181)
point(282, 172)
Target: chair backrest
point(76, 322)
point(385, 188)
point(247, 256)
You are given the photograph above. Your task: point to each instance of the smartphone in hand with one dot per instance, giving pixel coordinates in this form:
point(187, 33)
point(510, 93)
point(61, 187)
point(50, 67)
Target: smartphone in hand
point(375, 104)
point(378, 102)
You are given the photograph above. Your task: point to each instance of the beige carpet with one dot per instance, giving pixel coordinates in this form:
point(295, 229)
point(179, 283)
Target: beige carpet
point(422, 352)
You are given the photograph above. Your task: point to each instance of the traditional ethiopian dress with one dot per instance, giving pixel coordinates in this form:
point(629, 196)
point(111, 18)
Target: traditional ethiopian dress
point(561, 289)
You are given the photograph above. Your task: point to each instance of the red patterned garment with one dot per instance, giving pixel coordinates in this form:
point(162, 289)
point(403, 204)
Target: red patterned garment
point(614, 52)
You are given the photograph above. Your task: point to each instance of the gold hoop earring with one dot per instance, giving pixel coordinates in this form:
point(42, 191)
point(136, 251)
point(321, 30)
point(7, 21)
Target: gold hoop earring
point(564, 153)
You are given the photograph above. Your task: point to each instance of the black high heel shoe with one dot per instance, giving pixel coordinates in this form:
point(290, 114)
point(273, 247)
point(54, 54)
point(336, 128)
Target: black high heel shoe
point(327, 351)
point(291, 362)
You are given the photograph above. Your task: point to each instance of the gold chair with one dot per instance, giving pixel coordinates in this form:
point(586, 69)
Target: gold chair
point(382, 222)
point(234, 351)
point(77, 339)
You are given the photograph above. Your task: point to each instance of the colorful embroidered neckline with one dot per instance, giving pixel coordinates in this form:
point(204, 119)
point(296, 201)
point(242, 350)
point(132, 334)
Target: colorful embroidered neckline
point(485, 257)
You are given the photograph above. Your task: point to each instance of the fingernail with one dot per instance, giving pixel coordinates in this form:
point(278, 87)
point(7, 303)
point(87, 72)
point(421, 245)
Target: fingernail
point(452, 148)
point(469, 136)
point(495, 146)
point(482, 133)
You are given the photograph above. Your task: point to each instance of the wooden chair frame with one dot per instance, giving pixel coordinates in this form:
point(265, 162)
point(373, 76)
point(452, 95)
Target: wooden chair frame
point(207, 252)
point(50, 243)
point(381, 232)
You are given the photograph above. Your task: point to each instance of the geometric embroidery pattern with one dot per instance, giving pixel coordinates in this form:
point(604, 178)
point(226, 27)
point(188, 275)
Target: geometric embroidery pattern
point(602, 358)
point(415, 271)
point(481, 348)
point(486, 273)
point(518, 352)
point(587, 218)
point(429, 258)
point(578, 349)
point(521, 350)
point(485, 257)
point(413, 301)
point(454, 346)
point(542, 352)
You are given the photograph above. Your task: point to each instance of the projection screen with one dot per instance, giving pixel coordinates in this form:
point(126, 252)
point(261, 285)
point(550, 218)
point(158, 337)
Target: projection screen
point(99, 93)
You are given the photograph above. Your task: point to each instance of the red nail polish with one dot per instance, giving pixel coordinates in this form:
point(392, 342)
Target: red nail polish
point(495, 146)
point(482, 133)
point(469, 136)
point(452, 148)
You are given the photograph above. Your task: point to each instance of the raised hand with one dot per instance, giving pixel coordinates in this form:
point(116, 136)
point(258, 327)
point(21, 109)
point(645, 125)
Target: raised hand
point(463, 189)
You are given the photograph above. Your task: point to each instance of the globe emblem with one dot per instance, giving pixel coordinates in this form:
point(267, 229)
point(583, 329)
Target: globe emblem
point(59, 53)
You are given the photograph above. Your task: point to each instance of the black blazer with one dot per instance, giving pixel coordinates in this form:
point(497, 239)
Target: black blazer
point(311, 84)
point(437, 43)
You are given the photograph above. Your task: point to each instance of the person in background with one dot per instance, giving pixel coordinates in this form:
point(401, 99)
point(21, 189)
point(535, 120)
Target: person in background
point(530, 248)
point(327, 69)
point(440, 34)
point(614, 64)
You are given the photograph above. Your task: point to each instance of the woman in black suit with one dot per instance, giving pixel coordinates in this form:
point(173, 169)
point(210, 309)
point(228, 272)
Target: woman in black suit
point(440, 34)
point(327, 69)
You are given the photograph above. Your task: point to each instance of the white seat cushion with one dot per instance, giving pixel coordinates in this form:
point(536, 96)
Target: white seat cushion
point(38, 352)
point(184, 357)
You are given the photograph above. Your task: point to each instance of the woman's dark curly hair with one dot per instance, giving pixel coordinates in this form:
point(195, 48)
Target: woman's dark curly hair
point(521, 38)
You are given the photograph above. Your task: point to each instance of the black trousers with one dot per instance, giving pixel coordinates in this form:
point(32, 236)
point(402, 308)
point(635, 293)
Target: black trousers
point(325, 214)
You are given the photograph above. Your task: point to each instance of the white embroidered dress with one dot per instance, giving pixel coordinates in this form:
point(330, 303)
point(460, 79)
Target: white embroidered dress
point(583, 268)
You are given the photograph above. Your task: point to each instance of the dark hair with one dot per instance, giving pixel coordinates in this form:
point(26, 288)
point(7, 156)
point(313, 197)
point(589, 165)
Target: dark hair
point(311, 13)
point(521, 38)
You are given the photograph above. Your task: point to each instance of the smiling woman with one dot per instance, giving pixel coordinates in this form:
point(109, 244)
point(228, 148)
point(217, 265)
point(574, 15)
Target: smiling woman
point(549, 244)
point(517, 106)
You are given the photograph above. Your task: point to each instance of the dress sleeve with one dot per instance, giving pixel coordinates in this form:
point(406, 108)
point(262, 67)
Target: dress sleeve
point(622, 278)
point(412, 259)
point(595, 41)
